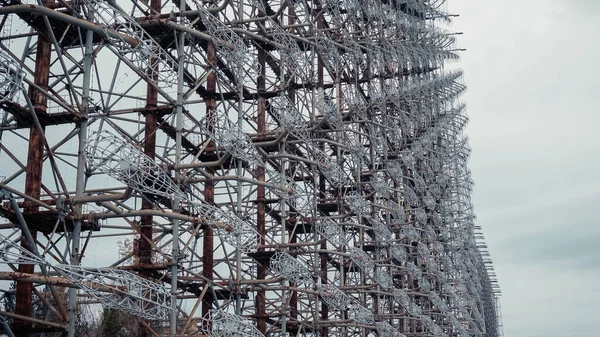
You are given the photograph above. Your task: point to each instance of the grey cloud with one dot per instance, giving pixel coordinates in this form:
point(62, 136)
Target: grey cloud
point(533, 77)
point(563, 248)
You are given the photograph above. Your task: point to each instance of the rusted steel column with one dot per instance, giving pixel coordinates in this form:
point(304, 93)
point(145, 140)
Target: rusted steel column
point(144, 246)
point(293, 239)
point(261, 270)
point(33, 173)
point(294, 293)
point(324, 307)
point(209, 186)
point(144, 251)
point(292, 96)
point(322, 189)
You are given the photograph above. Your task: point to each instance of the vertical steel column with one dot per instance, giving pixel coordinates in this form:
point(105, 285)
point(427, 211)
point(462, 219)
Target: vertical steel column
point(321, 188)
point(144, 245)
point(261, 270)
point(292, 96)
point(33, 173)
point(80, 183)
point(324, 280)
point(209, 186)
point(239, 171)
point(176, 201)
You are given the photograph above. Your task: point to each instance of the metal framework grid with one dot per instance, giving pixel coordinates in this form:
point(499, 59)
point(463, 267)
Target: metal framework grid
point(283, 168)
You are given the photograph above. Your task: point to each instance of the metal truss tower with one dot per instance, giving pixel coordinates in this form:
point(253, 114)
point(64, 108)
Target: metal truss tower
point(280, 167)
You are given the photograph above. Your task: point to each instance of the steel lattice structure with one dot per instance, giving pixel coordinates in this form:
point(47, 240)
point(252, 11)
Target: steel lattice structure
point(282, 167)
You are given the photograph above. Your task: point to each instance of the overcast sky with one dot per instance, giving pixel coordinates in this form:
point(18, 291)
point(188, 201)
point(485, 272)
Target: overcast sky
point(532, 68)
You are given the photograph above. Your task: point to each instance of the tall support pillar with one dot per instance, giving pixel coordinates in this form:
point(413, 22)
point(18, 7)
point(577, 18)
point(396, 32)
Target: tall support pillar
point(324, 280)
point(321, 188)
point(261, 270)
point(293, 296)
point(176, 201)
point(33, 173)
point(80, 183)
point(144, 246)
point(209, 186)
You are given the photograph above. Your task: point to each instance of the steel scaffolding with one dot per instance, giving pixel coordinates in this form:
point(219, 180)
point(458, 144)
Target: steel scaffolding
point(280, 167)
